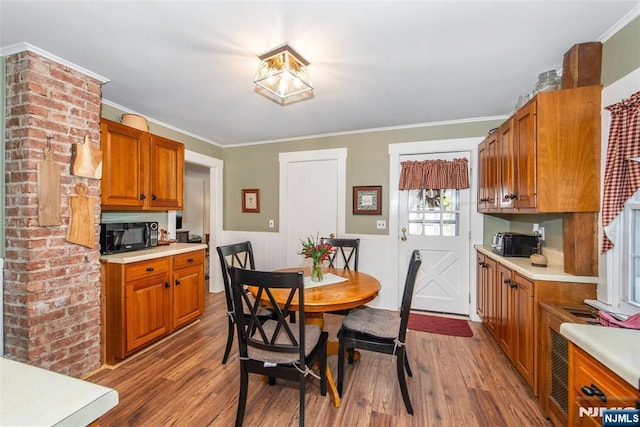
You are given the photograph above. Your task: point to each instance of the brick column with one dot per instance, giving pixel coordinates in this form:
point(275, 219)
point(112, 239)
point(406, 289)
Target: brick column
point(52, 310)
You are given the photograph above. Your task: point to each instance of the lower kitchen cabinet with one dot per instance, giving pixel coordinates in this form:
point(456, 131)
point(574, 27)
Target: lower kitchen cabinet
point(508, 304)
point(516, 321)
point(147, 300)
point(593, 387)
point(188, 288)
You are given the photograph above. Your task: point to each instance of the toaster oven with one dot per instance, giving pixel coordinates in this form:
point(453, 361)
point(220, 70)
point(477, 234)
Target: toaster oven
point(514, 244)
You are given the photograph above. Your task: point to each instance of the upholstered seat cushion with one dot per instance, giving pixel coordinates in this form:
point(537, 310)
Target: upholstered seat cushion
point(373, 321)
point(312, 334)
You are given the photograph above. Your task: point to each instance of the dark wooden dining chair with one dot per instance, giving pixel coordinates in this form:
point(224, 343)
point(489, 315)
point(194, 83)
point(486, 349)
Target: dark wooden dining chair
point(236, 255)
point(346, 253)
point(381, 331)
point(345, 256)
point(277, 348)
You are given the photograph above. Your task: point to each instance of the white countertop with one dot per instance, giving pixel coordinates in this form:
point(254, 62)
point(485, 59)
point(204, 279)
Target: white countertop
point(616, 348)
point(157, 252)
point(552, 272)
point(32, 396)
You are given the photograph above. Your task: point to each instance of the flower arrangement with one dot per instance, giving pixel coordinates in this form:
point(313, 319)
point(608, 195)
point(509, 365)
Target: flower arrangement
point(318, 252)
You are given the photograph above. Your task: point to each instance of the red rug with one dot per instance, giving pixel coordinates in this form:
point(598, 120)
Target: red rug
point(439, 325)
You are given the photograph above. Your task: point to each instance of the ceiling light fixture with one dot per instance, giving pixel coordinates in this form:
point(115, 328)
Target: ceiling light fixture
point(283, 76)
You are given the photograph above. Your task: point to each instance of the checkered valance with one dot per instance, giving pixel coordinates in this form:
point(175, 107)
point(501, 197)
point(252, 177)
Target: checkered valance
point(621, 175)
point(434, 174)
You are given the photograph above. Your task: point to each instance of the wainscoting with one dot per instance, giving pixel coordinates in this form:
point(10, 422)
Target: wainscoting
point(378, 257)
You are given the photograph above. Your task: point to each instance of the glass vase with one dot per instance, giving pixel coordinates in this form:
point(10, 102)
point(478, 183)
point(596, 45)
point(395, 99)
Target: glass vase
point(316, 271)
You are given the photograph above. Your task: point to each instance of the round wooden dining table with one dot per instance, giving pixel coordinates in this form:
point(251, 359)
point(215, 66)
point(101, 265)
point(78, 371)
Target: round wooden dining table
point(358, 289)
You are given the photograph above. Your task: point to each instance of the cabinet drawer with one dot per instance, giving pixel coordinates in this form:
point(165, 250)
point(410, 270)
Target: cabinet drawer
point(142, 269)
point(590, 372)
point(188, 259)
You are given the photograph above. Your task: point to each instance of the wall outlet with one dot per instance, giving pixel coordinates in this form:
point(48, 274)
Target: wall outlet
point(381, 224)
point(272, 223)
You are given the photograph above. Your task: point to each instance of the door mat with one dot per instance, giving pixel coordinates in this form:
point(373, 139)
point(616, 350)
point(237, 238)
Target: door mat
point(439, 325)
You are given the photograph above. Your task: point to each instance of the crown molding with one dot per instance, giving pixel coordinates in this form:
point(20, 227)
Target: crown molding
point(26, 47)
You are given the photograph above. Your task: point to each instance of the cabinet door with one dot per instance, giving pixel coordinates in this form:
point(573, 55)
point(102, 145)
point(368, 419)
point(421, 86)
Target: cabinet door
point(507, 166)
point(482, 177)
point(525, 150)
point(586, 373)
point(124, 154)
point(523, 316)
point(167, 173)
point(147, 306)
point(481, 278)
point(188, 294)
point(488, 174)
point(506, 304)
point(487, 295)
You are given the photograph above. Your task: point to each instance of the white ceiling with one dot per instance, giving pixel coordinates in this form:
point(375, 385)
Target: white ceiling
point(374, 64)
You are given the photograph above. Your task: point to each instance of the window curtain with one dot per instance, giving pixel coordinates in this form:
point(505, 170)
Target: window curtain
point(621, 174)
point(434, 174)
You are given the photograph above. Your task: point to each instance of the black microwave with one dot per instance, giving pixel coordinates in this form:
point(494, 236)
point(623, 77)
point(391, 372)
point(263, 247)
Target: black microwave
point(127, 236)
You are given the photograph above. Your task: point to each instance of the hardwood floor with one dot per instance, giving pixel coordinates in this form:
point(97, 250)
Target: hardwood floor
point(456, 382)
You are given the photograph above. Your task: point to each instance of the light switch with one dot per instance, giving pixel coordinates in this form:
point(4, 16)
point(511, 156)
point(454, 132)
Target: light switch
point(381, 224)
point(272, 223)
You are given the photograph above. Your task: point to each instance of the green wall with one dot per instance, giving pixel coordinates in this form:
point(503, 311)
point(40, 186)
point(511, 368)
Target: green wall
point(621, 53)
point(257, 166)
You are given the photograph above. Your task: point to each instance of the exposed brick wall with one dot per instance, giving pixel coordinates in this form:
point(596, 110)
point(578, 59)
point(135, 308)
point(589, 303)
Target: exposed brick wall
point(51, 286)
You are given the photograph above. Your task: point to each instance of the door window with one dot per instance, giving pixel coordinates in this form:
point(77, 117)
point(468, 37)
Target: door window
point(434, 212)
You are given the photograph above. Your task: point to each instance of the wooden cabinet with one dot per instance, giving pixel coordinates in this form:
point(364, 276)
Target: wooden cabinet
point(516, 321)
point(188, 291)
point(487, 292)
point(147, 300)
point(508, 303)
point(593, 387)
point(506, 167)
point(166, 185)
point(488, 174)
point(554, 138)
point(140, 171)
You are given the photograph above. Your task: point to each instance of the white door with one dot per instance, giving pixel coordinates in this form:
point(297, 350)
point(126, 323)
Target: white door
point(312, 194)
point(313, 204)
point(436, 222)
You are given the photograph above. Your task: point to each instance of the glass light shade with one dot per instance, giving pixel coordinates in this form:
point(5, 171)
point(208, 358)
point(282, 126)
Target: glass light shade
point(283, 76)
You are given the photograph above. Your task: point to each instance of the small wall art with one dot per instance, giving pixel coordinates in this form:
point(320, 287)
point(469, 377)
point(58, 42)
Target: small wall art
point(251, 200)
point(367, 200)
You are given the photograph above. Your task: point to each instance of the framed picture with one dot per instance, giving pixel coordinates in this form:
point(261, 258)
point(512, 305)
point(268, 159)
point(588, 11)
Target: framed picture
point(250, 200)
point(367, 200)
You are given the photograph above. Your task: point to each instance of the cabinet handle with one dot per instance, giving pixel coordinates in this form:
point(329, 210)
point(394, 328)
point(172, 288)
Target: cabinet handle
point(153, 197)
point(594, 391)
point(167, 284)
point(142, 196)
point(190, 260)
point(513, 285)
point(599, 393)
point(177, 282)
point(149, 269)
point(507, 282)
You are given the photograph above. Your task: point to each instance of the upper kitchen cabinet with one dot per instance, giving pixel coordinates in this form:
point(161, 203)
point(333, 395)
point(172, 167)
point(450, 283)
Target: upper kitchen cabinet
point(167, 174)
point(488, 174)
point(549, 154)
point(140, 171)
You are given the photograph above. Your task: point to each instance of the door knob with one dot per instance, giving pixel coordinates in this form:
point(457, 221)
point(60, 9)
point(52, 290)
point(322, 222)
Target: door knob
point(404, 234)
